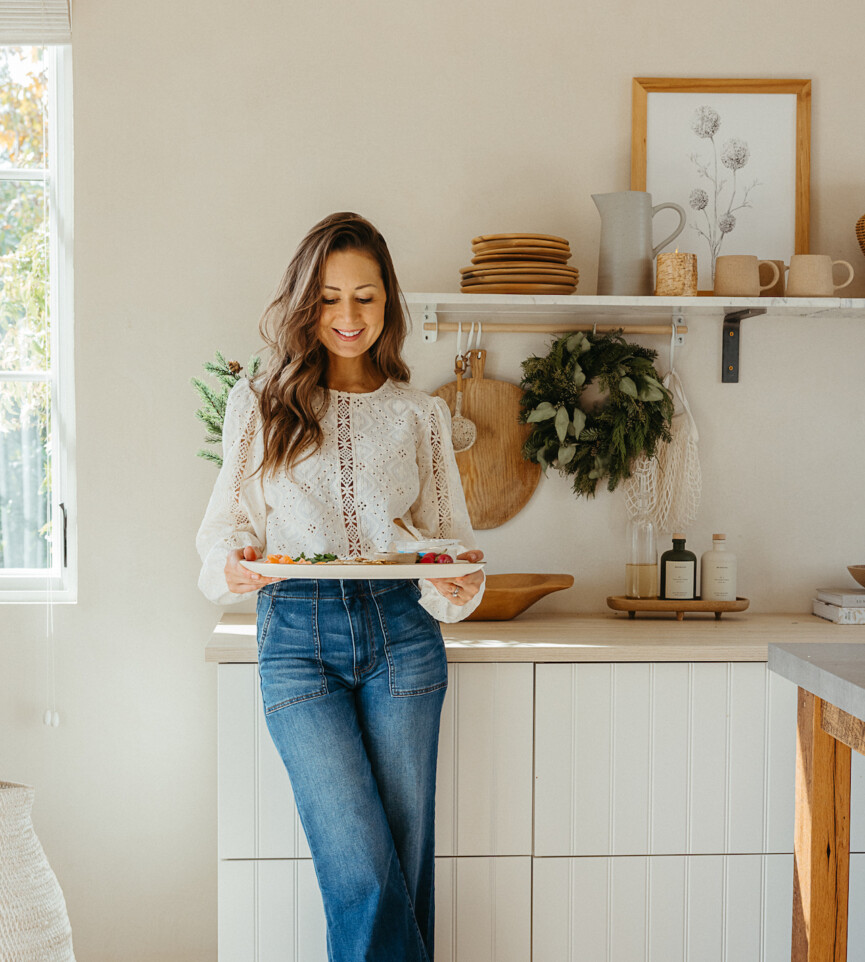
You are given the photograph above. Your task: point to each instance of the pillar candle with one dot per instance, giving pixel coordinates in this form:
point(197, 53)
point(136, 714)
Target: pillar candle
point(677, 275)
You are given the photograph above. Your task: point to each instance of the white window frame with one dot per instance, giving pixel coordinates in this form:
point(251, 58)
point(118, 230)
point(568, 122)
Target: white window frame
point(60, 582)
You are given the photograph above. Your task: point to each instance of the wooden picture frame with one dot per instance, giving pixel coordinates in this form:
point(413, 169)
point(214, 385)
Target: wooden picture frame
point(793, 222)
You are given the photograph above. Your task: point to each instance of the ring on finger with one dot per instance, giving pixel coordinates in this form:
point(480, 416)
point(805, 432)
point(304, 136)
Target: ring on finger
point(456, 591)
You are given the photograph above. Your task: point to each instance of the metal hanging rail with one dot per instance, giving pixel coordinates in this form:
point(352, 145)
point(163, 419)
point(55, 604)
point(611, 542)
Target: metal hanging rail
point(560, 327)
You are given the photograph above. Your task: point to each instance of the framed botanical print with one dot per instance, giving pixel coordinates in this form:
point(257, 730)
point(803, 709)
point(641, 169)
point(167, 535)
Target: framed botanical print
point(735, 154)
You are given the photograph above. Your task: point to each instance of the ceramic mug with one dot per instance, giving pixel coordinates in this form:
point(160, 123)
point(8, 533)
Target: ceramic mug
point(776, 289)
point(738, 275)
point(811, 276)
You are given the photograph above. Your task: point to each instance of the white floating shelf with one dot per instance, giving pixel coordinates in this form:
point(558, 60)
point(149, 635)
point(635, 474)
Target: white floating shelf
point(642, 308)
point(635, 314)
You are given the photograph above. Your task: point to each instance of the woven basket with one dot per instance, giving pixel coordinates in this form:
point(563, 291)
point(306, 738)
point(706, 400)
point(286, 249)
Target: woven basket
point(34, 926)
point(860, 233)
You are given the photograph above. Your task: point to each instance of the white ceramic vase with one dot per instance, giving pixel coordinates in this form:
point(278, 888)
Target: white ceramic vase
point(34, 925)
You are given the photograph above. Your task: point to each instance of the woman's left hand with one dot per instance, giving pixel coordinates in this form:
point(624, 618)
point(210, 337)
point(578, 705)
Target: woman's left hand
point(460, 591)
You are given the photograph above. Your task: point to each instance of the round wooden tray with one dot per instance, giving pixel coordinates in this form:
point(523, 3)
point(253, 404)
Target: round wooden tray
point(519, 267)
point(545, 237)
point(484, 247)
point(512, 277)
point(518, 288)
point(539, 258)
point(633, 605)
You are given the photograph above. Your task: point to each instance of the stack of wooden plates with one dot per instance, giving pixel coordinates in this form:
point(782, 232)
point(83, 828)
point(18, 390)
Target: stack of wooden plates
point(519, 264)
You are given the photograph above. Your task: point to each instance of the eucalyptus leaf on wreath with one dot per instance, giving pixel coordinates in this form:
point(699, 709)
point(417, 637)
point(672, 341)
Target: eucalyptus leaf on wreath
point(212, 412)
point(591, 445)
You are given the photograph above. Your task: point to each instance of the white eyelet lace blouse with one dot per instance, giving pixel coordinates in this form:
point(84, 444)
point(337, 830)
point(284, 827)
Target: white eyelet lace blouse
point(386, 454)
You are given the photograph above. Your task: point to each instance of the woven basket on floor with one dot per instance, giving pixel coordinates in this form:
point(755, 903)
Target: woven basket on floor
point(860, 233)
point(34, 926)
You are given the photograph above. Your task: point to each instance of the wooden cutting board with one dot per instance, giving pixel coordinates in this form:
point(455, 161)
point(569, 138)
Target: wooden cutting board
point(497, 481)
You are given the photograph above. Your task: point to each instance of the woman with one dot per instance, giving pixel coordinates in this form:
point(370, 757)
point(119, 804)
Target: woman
point(321, 453)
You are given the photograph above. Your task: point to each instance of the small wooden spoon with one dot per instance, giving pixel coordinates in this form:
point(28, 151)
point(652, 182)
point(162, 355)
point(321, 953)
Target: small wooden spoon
point(401, 524)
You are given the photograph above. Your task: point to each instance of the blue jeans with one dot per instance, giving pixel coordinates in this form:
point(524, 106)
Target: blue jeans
point(353, 677)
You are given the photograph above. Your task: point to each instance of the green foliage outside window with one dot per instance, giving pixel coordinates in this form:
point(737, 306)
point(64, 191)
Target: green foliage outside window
point(24, 323)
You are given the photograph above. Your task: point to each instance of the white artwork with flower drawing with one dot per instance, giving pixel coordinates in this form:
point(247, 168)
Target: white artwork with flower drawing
point(730, 161)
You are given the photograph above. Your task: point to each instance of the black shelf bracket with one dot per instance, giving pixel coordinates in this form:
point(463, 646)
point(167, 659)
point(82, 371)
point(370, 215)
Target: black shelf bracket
point(730, 344)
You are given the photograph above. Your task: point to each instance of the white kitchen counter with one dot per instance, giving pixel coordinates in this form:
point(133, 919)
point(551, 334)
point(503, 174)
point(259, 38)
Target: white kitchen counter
point(605, 637)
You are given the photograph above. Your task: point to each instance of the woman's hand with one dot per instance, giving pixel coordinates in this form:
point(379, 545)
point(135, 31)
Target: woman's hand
point(467, 586)
point(239, 579)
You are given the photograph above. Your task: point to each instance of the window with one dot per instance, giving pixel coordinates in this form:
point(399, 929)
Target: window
point(37, 506)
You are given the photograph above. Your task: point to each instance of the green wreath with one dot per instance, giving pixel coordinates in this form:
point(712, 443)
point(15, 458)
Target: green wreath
point(593, 441)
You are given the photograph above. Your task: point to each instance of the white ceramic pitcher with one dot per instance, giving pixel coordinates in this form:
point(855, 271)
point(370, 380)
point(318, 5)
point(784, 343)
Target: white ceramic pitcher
point(626, 259)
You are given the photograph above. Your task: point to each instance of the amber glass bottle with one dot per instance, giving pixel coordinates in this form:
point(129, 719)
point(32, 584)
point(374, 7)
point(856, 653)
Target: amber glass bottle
point(679, 571)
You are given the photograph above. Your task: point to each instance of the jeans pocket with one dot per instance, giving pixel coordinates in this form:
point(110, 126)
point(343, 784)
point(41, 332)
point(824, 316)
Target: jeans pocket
point(263, 612)
point(414, 647)
point(289, 653)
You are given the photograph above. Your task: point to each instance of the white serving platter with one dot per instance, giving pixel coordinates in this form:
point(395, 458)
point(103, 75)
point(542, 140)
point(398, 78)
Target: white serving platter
point(371, 572)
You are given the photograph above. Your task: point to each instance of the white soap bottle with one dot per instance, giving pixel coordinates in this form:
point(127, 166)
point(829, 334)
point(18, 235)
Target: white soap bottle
point(718, 572)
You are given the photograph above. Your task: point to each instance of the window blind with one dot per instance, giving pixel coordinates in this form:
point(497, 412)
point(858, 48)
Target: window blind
point(35, 22)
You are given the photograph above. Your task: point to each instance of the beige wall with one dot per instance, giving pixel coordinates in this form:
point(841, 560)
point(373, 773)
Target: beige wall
point(208, 138)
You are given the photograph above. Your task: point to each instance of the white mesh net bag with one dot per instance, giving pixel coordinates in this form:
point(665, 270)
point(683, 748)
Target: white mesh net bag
point(673, 478)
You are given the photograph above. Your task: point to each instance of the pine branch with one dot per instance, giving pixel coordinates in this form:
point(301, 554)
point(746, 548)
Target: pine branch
point(214, 402)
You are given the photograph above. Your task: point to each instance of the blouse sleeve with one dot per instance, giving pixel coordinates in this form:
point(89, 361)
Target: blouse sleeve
point(236, 514)
point(440, 510)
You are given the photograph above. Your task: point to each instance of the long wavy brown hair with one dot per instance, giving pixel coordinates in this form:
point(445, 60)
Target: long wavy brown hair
point(290, 387)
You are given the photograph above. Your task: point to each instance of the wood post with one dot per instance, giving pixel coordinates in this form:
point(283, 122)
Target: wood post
point(821, 849)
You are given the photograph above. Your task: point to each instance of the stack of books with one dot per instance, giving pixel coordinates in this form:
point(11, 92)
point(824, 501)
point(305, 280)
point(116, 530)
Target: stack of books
point(841, 605)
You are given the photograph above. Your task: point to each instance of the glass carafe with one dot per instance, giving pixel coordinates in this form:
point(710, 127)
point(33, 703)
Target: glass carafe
point(641, 567)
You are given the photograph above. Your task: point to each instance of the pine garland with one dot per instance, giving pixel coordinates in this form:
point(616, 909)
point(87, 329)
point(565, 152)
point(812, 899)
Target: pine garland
point(596, 443)
point(212, 413)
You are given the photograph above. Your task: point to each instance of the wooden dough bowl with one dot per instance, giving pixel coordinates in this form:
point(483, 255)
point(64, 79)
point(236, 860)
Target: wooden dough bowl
point(507, 596)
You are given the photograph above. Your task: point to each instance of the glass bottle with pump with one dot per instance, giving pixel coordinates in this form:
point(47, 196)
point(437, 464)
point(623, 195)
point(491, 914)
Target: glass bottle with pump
point(679, 571)
point(641, 568)
point(718, 572)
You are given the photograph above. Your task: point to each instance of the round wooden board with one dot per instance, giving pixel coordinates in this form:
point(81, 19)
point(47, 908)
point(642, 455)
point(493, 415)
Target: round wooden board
point(543, 237)
point(496, 480)
point(470, 280)
point(518, 288)
point(519, 267)
point(543, 253)
point(520, 258)
point(485, 246)
point(547, 277)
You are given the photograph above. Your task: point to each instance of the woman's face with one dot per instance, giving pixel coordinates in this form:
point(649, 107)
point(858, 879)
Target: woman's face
point(352, 307)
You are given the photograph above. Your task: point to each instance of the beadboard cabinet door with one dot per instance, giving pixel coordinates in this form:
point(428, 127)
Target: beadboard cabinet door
point(667, 759)
point(484, 775)
point(257, 814)
point(484, 796)
point(695, 908)
point(270, 910)
point(483, 909)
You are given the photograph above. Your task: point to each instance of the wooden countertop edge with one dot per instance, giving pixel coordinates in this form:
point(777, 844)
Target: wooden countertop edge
point(464, 654)
point(602, 638)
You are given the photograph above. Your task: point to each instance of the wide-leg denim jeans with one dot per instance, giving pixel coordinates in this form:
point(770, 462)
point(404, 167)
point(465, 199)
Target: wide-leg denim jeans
point(353, 677)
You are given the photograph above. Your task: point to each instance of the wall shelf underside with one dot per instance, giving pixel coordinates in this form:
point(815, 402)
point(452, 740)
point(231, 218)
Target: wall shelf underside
point(520, 313)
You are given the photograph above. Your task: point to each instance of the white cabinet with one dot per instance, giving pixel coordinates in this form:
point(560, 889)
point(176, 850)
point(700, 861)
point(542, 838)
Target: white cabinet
point(615, 812)
point(270, 910)
point(664, 759)
point(484, 782)
point(484, 776)
point(695, 908)
point(269, 904)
